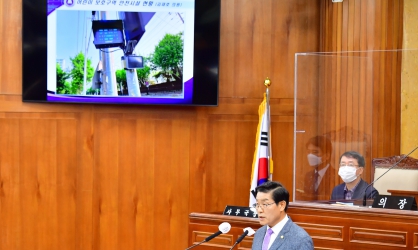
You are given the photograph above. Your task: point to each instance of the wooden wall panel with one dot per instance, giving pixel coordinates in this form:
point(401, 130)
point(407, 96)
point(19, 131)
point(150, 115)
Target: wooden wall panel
point(11, 47)
point(9, 185)
point(142, 181)
point(128, 197)
point(354, 30)
point(110, 177)
point(106, 184)
point(283, 154)
point(66, 175)
point(84, 184)
point(230, 171)
point(259, 39)
point(146, 178)
point(38, 181)
point(129, 174)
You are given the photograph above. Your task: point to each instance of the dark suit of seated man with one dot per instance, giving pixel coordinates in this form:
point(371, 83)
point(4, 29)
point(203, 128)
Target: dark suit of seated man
point(320, 180)
point(351, 167)
point(278, 231)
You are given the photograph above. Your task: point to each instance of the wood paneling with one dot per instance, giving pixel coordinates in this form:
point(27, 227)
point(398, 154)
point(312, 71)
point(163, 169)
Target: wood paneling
point(38, 181)
point(259, 38)
point(125, 177)
point(363, 87)
point(11, 47)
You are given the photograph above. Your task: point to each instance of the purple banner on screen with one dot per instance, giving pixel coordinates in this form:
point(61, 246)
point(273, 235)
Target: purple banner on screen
point(102, 99)
point(54, 4)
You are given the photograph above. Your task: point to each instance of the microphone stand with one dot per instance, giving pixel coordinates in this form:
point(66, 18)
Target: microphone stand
point(233, 245)
point(206, 240)
point(209, 238)
point(195, 245)
point(240, 239)
point(394, 165)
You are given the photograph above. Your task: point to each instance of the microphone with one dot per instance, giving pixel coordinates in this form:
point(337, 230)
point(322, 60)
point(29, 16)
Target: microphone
point(247, 231)
point(223, 229)
point(394, 165)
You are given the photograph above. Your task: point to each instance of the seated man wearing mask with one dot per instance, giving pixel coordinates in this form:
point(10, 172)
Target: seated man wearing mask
point(320, 180)
point(351, 168)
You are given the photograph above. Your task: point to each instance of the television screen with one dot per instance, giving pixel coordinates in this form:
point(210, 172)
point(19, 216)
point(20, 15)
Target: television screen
point(121, 51)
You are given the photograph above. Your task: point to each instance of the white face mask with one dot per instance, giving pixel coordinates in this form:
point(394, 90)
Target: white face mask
point(348, 174)
point(314, 160)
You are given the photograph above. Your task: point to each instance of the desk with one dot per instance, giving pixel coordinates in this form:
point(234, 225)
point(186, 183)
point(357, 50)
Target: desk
point(331, 227)
point(404, 193)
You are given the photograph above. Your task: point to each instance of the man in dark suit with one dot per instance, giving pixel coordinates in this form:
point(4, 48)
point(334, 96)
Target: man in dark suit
point(320, 180)
point(278, 231)
point(351, 167)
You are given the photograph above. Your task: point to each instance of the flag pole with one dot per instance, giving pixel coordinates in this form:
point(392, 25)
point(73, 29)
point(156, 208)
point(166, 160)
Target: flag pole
point(267, 83)
point(262, 167)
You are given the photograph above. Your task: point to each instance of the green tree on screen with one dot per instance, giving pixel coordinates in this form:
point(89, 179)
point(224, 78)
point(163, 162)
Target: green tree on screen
point(63, 86)
point(168, 57)
point(121, 79)
point(77, 73)
point(143, 74)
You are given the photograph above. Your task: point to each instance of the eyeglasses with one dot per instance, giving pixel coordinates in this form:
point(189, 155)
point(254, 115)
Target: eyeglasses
point(263, 206)
point(348, 165)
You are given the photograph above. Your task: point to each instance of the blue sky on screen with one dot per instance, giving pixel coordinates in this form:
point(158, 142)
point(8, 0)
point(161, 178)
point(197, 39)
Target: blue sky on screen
point(74, 29)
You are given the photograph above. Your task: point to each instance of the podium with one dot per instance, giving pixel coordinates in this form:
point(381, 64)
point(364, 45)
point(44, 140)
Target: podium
point(201, 225)
point(330, 226)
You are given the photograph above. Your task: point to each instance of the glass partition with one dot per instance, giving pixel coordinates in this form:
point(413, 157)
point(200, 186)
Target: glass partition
point(334, 108)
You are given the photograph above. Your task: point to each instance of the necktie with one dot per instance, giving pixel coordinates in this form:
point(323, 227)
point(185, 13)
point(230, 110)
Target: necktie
point(316, 177)
point(267, 239)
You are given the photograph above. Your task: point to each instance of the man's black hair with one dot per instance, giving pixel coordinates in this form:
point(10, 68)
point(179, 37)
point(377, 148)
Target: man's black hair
point(279, 192)
point(355, 155)
point(321, 142)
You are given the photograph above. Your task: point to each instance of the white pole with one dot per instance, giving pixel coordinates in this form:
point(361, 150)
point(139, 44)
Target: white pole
point(85, 62)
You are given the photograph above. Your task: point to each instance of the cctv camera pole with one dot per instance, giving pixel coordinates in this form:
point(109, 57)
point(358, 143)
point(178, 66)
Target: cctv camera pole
point(85, 67)
point(85, 60)
point(109, 86)
point(131, 76)
point(132, 82)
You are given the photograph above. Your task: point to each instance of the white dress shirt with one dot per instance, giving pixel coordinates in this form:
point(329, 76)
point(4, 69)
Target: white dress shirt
point(276, 230)
point(321, 174)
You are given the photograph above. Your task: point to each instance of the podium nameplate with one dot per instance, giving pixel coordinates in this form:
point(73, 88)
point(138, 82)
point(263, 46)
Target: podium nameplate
point(248, 212)
point(395, 202)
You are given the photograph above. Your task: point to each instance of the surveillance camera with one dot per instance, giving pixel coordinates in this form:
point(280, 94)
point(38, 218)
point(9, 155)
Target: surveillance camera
point(132, 62)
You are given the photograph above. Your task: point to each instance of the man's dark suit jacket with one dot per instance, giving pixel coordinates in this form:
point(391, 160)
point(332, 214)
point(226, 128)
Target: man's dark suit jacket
point(325, 187)
point(338, 192)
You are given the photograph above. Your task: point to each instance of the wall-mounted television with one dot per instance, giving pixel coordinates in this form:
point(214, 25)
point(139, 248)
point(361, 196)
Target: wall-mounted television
point(121, 51)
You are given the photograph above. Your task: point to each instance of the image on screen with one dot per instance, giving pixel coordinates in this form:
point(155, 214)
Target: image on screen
point(94, 62)
point(120, 52)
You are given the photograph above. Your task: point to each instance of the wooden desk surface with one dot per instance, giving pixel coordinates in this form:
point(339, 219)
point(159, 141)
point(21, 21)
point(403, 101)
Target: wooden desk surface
point(331, 227)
